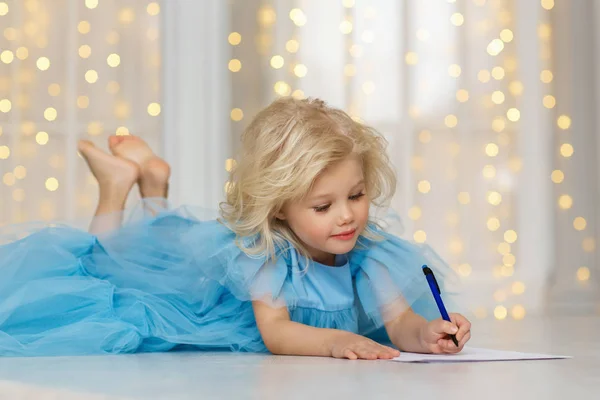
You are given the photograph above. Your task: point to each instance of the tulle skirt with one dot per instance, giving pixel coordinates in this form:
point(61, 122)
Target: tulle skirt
point(139, 288)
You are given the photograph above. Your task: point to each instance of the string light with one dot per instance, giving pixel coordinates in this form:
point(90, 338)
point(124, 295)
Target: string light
point(235, 65)
point(43, 63)
point(420, 236)
point(42, 138)
point(462, 95)
point(579, 223)
point(588, 244)
point(498, 73)
point(515, 88)
point(495, 47)
point(91, 4)
point(153, 9)
point(518, 312)
point(464, 198)
point(454, 70)
point(549, 101)
point(298, 17)
point(451, 121)
point(300, 70)
point(424, 186)
point(546, 76)
point(414, 213)
point(425, 136)
point(583, 274)
point(483, 75)
point(237, 114)
point(113, 60)
point(91, 76)
point(22, 53)
point(498, 98)
point(503, 248)
point(491, 150)
point(234, 38)
point(457, 19)
point(154, 109)
point(52, 184)
point(292, 46)
point(500, 312)
point(84, 27)
point(506, 35)
point(126, 16)
point(411, 58)
point(489, 172)
point(565, 201)
point(493, 224)
point(564, 122)
point(50, 114)
point(4, 152)
point(547, 4)
point(277, 62)
point(7, 56)
point(85, 51)
point(346, 27)
point(566, 150)
point(513, 114)
point(464, 269)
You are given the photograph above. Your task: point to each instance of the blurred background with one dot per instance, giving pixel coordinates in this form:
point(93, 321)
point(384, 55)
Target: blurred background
point(491, 108)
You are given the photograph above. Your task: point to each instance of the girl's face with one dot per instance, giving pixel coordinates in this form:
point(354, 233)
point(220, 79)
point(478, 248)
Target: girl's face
point(330, 219)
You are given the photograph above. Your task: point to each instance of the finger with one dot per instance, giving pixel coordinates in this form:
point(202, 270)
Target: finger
point(448, 346)
point(366, 353)
point(464, 340)
point(463, 331)
point(387, 352)
point(445, 327)
point(349, 354)
point(392, 351)
point(463, 324)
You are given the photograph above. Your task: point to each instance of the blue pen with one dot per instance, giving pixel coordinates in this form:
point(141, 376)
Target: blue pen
point(437, 295)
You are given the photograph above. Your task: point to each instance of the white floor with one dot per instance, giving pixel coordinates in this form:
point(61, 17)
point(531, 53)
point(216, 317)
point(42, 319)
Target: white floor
point(234, 376)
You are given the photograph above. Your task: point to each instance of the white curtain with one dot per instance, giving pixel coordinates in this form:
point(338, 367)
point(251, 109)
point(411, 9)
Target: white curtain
point(490, 107)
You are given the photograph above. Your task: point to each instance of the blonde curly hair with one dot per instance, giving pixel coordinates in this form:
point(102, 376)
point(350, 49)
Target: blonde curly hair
point(284, 149)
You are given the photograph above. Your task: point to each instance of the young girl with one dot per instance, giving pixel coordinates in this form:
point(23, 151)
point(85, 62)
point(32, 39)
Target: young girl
point(295, 264)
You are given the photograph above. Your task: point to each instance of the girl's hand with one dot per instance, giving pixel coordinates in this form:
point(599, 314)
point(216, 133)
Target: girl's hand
point(351, 346)
point(435, 339)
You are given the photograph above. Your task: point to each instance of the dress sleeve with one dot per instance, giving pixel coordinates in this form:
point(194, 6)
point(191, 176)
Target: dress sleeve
point(389, 278)
point(247, 277)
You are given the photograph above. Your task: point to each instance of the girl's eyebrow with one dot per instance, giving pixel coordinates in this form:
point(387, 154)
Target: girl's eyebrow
point(317, 197)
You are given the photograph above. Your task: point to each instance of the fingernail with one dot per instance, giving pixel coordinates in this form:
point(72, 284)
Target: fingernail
point(454, 329)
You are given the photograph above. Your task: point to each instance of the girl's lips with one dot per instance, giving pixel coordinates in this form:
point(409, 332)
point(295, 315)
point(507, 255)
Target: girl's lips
point(345, 235)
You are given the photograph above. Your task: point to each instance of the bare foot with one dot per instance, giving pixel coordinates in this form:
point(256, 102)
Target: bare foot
point(154, 171)
point(113, 173)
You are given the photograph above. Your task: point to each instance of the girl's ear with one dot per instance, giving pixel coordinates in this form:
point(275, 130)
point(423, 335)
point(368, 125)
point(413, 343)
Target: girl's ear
point(280, 214)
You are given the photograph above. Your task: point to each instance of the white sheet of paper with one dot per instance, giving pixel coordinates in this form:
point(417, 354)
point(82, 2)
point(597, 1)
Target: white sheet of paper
point(473, 354)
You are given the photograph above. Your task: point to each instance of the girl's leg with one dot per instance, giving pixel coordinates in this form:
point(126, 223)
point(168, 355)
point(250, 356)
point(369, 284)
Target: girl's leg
point(154, 172)
point(116, 177)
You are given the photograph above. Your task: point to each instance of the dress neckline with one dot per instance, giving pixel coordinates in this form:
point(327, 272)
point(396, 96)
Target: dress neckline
point(340, 261)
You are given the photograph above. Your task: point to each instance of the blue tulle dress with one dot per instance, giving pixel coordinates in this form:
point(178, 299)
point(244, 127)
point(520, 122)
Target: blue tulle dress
point(172, 279)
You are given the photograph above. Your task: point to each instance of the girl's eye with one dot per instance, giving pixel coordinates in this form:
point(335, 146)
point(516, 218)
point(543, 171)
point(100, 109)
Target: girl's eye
point(357, 196)
point(326, 207)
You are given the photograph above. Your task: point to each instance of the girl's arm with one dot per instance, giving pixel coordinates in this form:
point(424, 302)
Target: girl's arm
point(285, 337)
point(405, 332)
point(411, 332)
